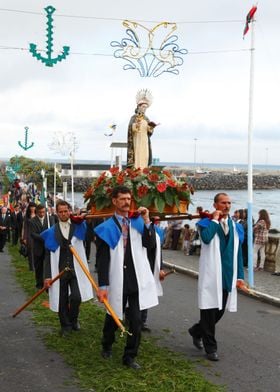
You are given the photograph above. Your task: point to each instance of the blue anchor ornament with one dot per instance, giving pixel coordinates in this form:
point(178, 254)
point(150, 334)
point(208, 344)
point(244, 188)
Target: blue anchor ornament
point(25, 146)
point(49, 61)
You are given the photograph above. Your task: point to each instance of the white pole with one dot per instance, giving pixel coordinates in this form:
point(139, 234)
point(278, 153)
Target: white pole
point(250, 160)
point(54, 187)
point(72, 178)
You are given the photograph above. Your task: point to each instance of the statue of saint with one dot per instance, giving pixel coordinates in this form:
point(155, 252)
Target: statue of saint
point(140, 129)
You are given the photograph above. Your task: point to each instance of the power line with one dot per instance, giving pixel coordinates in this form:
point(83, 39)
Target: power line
point(121, 19)
point(3, 47)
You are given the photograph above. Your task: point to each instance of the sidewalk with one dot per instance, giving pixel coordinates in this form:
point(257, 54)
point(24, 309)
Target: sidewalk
point(266, 286)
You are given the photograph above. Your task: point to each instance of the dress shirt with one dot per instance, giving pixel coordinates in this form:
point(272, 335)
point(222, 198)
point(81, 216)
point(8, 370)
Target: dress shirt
point(65, 228)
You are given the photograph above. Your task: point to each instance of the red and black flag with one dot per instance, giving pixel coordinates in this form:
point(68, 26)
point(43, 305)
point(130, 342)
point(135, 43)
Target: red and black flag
point(249, 18)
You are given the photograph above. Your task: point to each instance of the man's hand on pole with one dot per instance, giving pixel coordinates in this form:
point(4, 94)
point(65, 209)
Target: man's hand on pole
point(102, 295)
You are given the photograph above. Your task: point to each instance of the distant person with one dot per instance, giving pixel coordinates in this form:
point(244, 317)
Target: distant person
point(187, 233)
point(243, 221)
point(236, 216)
point(37, 225)
point(260, 230)
point(5, 224)
point(220, 266)
point(176, 233)
point(26, 235)
point(16, 224)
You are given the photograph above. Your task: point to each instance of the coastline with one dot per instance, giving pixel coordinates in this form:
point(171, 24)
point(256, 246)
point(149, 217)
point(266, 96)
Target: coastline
point(216, 179)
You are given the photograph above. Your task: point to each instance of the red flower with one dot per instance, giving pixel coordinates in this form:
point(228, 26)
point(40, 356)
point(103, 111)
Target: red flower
point(142, 190)
point(171, 183)
point(161, 187)
point(146, 170)
point(120, 179)
point(114, 170)
point(153, 177)
point(167, 173)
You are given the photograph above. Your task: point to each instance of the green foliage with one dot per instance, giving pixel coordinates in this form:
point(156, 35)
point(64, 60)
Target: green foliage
point(150, 186)
point(162, 370)
point(30, 170)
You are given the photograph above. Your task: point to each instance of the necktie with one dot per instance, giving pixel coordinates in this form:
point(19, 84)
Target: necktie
point(225, 226)
point(124, 232)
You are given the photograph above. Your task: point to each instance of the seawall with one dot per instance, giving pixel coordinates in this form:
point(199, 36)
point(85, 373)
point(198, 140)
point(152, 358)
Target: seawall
point(211, 181)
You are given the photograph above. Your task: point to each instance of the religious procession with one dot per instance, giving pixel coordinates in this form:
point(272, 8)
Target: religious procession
point(129, 289)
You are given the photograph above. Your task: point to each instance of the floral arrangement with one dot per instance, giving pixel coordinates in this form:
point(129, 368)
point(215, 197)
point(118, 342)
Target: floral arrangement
point(150, 187)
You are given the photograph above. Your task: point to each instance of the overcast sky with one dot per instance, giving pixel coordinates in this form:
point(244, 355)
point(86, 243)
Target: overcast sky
point(84, 94)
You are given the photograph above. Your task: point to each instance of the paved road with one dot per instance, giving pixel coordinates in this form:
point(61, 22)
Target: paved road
point(25, 363)
point(248, 341)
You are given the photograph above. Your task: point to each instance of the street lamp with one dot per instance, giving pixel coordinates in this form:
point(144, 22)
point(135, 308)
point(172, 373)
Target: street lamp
point(266, 156)
point(44, 193)
point(66, 144)
point(194, 158)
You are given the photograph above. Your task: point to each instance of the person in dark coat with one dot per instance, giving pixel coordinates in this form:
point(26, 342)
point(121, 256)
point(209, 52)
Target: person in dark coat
point(16, 224)
point(38, 224)
point(5, 224)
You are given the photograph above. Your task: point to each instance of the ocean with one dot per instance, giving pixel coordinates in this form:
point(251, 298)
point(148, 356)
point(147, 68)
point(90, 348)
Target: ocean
point(262, 199)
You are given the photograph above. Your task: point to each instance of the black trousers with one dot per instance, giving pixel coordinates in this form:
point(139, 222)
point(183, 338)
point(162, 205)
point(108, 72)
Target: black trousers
point(39, 270)
point(68, 310)
point(175, 239)
point(205, 328)
point(134, 319)
point(3, 239)
point(15, 236)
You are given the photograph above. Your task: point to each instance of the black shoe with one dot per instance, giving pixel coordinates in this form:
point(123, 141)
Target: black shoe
point(65, 332)
point(145, 328)
point(76, 326)
point(197, 342)
point(106, 354)
point(131, 364)
point(212, 356)
point(276, 273)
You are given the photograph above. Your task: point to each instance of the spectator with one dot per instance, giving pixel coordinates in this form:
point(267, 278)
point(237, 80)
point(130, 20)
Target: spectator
point(260, 229)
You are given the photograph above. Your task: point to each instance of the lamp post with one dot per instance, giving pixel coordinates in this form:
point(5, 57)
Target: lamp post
point(44, 192)
point(194, 157)
point(66, 144)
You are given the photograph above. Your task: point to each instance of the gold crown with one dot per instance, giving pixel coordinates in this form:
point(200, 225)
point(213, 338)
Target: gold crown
point(144, 96)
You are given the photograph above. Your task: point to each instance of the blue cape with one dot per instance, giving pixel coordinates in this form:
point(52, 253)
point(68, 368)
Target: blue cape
point(239, 228)
point(49, 236)
point(110, 232)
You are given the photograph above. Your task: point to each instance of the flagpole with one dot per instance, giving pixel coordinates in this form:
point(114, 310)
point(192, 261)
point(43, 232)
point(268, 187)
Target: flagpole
point(54, 187)
point(250, 160)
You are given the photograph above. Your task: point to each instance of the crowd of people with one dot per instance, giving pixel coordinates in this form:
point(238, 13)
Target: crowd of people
point(129, 262)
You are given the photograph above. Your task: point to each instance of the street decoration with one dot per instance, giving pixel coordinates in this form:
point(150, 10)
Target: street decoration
point(25, 146)
point(12, 170)
point(151, 52)
point(49, 61)
point(113, 128)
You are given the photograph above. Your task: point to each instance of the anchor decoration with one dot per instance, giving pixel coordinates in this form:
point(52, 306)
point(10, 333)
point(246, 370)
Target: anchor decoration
point(49, 61)
point(151, 52)
point(25, 146)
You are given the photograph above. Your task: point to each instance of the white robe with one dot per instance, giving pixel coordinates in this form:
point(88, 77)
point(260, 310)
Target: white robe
point(83, 282)
point(210, 287)
point(149, 285)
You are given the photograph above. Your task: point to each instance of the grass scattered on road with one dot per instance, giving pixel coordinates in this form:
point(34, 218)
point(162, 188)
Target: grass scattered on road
point(162, 370)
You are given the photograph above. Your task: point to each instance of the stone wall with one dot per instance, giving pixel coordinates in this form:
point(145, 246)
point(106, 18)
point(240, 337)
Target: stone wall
point(212, 181)
point(225, 181)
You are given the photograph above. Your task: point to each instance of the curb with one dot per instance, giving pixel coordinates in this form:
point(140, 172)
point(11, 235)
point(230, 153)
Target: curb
point(253, 294)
